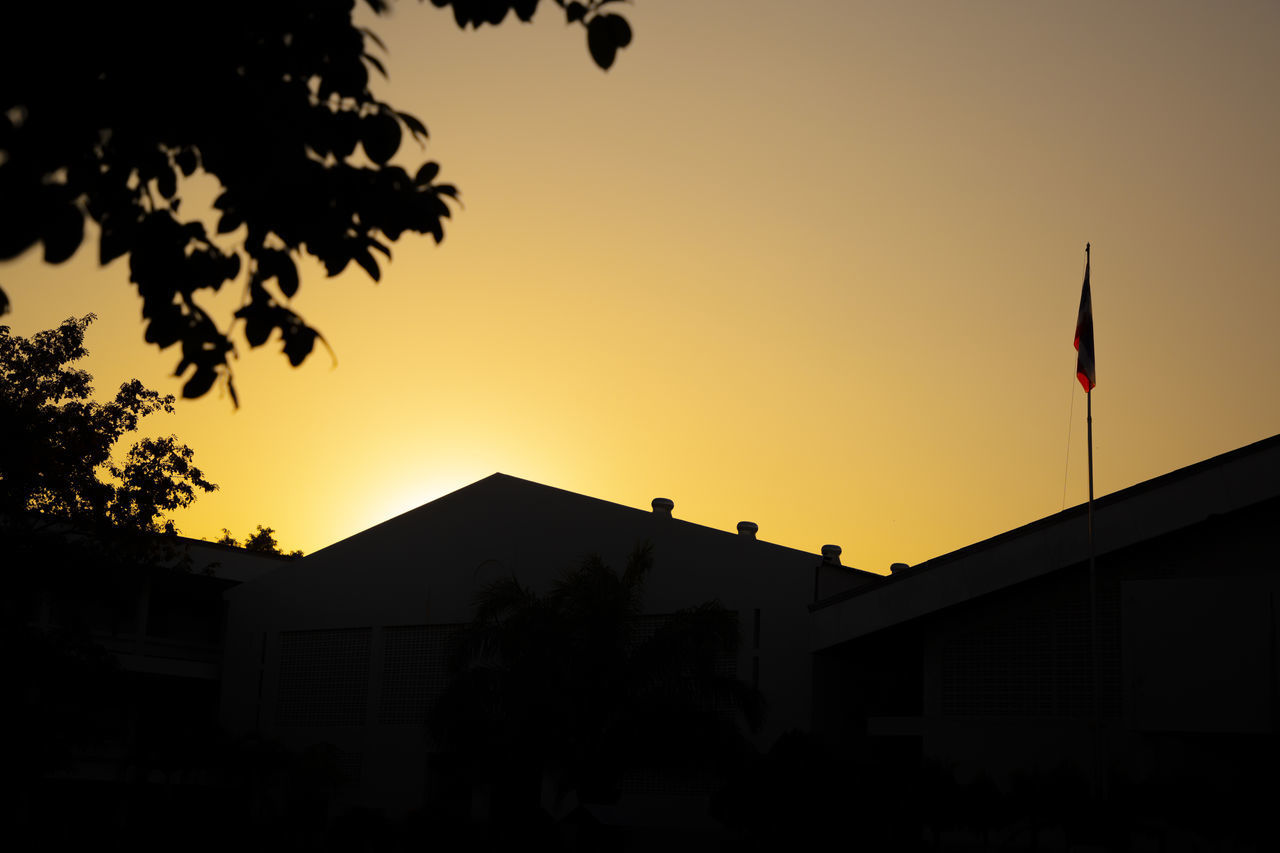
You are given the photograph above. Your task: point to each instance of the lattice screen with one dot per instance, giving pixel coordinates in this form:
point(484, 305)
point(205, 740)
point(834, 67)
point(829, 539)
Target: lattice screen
point(415, 670)
point(1034, 661)
point(324, 678)
point(350, 765)
point(643, 628)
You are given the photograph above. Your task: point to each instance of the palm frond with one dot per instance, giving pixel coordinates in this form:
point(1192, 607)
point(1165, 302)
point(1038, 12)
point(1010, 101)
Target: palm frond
point(500, 598)
point(639, 564)
point(580, 679)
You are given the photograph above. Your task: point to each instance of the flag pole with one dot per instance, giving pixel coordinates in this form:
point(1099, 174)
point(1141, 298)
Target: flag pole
point(1087, 374)
point(1099, 783)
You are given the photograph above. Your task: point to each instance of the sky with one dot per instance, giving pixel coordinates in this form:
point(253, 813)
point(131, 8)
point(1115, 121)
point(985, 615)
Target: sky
point(814, 265)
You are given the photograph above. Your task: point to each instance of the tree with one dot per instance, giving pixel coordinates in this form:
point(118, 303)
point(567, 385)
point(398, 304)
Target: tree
point(57, 442)
point(578, 687)
point(269, 99)
point(76, 518)
point(263, 541)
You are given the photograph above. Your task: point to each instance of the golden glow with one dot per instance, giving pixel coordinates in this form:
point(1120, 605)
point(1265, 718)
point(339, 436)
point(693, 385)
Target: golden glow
point(816, 266)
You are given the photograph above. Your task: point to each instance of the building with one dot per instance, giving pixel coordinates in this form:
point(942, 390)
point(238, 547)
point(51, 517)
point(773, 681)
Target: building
point(117, 652)
point(349, 646)
point(981, 659)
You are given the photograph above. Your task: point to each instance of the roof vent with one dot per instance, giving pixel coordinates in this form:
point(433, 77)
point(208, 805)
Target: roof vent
point(663, 506)
point(748, 529)
point(831, 555)
point(894, 568)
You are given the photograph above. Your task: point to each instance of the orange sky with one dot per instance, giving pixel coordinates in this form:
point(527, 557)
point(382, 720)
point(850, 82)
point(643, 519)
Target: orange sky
point(815, 265)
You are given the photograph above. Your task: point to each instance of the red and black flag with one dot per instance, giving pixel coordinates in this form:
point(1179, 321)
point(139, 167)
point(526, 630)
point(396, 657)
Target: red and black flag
point(1085, 371)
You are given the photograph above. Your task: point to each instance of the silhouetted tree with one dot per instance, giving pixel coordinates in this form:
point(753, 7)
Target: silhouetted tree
point(73, 520)
point(57, 442)
point(573, 689)
point(107, 108)
point(263, 540)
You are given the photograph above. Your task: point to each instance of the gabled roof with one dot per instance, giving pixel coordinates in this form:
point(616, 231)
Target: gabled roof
point(542, 507)
point(1217, 486)
point(504, 526)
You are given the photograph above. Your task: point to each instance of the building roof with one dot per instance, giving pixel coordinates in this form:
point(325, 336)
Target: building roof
point(229, 562)
point(1155, 507)
point(507, 526)
point(504, 493)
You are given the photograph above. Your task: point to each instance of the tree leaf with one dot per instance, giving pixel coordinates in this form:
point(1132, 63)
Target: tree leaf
point(364, 259)
point(230, 266)
point(64, 230)
point(165, 328)
point(380, 135)
point(575, 11)
point(229, 221)
point(167, 183)
point(200, 382)
point(257, 327)
point(335, 262)
point(600, 41)
point(620, 28)
point(287, 275)
point(299, 340)
point(17, 235)
point(342, 133)
point(426, 173)
point(416, 127)
point(186, 161)
point(377, 63)
point(373, 37)
point(524, 9)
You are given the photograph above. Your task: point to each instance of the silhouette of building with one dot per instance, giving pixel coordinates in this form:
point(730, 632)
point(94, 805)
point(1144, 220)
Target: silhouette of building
point(119, 661)
point(350, 645)
point(981, 658)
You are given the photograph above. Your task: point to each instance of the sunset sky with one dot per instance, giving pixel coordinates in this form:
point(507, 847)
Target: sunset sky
point(810, 264)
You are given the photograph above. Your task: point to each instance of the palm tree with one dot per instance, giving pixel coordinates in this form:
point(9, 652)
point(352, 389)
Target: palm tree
point(578, 688)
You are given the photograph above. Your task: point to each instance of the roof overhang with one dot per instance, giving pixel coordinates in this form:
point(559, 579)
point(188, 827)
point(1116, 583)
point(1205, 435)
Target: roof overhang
point(1217, 486)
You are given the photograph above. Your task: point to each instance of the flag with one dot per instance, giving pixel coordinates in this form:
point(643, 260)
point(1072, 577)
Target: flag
point(1084, 334)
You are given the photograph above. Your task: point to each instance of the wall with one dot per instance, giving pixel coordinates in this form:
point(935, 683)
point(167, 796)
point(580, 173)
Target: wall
point(384, 586)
